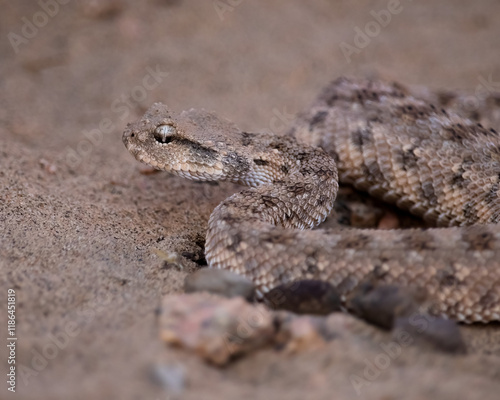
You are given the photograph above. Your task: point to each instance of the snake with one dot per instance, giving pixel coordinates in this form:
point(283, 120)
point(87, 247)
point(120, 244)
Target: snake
point(375, 135)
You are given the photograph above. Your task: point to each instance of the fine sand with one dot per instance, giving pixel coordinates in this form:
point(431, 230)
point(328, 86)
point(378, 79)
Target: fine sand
point(79, 222)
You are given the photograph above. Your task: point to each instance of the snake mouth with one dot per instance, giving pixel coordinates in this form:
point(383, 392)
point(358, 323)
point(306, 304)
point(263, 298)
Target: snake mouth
point(192, 171)
point(134, 149)
point(142, 156)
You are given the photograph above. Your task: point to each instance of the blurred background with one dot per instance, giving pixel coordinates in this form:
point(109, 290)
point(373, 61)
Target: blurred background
point(241, 58)
point(78, 219)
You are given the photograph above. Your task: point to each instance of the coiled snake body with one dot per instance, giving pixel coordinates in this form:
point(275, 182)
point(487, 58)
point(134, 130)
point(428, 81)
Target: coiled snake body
point(370, 134)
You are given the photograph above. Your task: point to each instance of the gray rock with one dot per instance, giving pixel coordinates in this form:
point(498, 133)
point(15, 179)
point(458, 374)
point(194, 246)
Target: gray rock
point(221, 282)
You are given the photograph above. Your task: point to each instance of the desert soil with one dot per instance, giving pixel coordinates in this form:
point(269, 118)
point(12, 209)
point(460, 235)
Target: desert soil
point(79, 222)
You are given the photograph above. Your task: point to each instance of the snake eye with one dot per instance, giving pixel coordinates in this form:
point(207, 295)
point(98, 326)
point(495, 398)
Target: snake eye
point(164, 133)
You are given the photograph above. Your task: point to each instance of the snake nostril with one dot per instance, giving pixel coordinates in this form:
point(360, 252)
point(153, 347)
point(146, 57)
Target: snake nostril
point(164, 133)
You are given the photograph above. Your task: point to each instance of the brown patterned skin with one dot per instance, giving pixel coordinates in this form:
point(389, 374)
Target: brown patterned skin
point(381, 139)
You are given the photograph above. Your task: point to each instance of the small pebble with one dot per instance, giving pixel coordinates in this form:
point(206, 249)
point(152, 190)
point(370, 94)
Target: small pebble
point(169, 258)
point(147, 170)
point(389, 221)
point(429, 331)
point(298, 333)
point(304, 297)
point(48, 166)
point(171, 377)
point(104, 9)
point(382, 304)
point(221, 282)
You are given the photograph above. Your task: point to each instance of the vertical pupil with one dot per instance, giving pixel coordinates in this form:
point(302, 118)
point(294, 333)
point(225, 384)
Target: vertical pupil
point(164, 133)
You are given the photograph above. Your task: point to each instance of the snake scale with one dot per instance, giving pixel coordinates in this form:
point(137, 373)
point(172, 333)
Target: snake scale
point(376, 136)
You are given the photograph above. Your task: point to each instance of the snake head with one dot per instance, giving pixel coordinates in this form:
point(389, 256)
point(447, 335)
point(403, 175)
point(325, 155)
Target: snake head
point(191, 144)
point(199, 145)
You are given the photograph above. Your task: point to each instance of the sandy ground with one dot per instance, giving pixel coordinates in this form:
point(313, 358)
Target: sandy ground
point(79, 222)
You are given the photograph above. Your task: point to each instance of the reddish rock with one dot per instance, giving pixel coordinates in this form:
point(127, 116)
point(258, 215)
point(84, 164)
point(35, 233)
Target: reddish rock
point(216, 328)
